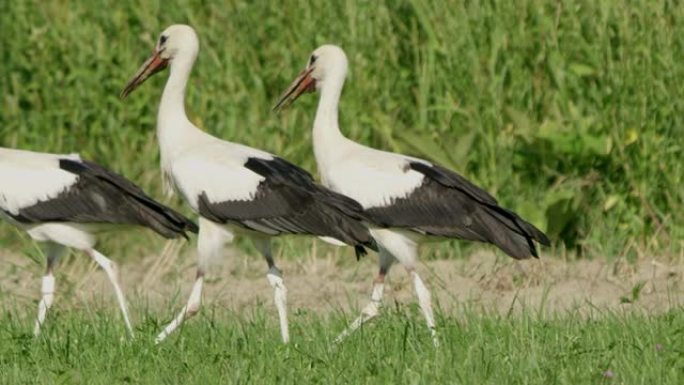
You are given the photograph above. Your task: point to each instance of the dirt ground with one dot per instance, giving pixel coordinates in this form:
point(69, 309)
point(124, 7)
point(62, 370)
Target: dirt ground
point(484, 281)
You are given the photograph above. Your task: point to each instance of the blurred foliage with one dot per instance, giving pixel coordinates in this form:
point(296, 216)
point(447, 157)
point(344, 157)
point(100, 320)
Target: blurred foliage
point(569, 112)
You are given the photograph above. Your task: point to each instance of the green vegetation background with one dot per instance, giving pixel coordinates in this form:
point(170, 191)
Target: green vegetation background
point(569, 112)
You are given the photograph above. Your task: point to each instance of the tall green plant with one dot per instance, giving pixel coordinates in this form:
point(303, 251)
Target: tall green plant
point(568, 111)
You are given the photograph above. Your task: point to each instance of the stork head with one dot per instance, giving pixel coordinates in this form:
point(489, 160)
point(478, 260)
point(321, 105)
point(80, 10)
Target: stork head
point(177, 44)
point(327, 64)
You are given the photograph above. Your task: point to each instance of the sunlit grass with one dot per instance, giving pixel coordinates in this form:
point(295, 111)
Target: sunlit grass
point(224, 347)
point(569, 112)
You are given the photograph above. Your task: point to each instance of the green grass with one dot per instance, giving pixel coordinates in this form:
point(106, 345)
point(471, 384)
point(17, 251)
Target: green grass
point(570, 111)
point(222, 347)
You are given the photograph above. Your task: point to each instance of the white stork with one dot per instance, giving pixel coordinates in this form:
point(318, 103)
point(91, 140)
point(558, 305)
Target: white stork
point(64, 201)
point(234, 188)
point(413, 199)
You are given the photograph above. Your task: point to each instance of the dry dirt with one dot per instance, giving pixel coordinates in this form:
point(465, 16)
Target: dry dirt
point(484, 281)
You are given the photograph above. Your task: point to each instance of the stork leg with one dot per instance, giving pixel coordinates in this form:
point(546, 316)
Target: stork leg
point(371, 310)
point(110, 268)
point(210, 241)
point(47, 290)
point(425, 302)
point(405, 250)
point(189, 310)
point(275, 278)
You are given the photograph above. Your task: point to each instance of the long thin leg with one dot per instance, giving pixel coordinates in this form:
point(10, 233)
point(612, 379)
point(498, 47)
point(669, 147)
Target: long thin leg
point(425, 302)
point(371, 310)
point(275, 278)
point(405, 250)
point(47, 291)
point(110, 268)
point(189, 310)
point(212, 237)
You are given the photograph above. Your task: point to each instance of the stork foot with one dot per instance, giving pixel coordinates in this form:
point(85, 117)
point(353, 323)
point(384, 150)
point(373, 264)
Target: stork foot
point(189, 310)
point(369, 312)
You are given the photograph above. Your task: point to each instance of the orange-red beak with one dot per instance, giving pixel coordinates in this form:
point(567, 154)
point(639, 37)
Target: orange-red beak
point(304, 82)
point(151, 66)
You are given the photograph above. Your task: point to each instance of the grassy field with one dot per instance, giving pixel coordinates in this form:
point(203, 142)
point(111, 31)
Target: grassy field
point(500, 322)
point(222, 347)
point(569, 112)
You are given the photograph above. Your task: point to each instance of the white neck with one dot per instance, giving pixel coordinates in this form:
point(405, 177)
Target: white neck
point(327, 138)
point(173, 126)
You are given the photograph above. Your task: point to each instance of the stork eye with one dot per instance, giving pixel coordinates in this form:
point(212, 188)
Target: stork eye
point(312, 60)
point(162, 39)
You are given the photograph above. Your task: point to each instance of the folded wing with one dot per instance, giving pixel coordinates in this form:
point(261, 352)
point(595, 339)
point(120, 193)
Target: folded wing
point(72, 190)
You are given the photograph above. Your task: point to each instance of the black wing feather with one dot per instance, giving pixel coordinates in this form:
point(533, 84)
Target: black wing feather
point(102, 196)
point(289, 201)
point(448, 205)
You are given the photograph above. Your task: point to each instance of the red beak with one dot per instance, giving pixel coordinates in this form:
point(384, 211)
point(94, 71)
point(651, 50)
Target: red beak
point(302, 83)
point(151, 66)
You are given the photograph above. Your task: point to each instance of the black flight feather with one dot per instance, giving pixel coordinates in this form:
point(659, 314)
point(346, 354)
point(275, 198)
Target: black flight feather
point(102, 196)
point(446, 204)
point(288, 201)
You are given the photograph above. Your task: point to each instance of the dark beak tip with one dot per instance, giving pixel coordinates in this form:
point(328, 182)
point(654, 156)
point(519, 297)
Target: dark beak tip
point(278, 107)
point(151, 66)
point(125, 92)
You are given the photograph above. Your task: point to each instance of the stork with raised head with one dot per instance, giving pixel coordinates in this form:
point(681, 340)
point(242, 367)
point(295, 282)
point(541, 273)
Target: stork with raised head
point(410, 198)
point(63, 201)
point(234, 188)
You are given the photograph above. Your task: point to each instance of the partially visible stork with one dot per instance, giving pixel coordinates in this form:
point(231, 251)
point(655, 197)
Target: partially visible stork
point(411, 199)
point(64, 201)
point(237, 190)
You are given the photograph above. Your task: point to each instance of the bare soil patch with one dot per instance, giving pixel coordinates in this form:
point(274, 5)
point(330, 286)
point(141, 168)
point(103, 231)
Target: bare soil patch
point(334, 282)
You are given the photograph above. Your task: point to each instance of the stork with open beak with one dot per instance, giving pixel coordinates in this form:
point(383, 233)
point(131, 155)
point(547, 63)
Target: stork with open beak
point(409, 200)
point(235, 189)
